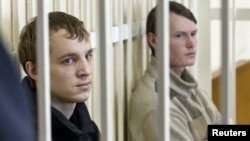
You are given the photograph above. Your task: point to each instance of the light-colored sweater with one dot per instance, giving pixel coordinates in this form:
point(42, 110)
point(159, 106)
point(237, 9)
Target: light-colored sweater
point(190, 110)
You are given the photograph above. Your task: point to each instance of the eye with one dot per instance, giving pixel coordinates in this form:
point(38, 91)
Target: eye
point(68, 61)
point(88, 57)
point(179, 35)
point(193, 33)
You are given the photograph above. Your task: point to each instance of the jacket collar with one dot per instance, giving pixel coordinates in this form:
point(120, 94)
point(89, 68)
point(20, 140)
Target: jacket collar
point(79, 123)
point(182, 85)
point(152, 68)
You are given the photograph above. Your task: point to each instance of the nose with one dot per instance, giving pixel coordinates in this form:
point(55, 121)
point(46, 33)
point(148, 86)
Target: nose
point(191, 41)
point(84, 68)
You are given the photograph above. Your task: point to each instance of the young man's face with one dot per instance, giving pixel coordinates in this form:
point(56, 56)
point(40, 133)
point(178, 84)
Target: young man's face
point(182, 41)
point(70, 68)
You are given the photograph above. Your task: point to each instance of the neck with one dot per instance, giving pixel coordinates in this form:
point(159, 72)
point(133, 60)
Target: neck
point(177, 70)
point(66, 109)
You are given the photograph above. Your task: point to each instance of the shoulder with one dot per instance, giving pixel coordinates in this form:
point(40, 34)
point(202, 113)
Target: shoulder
point(144, 96)
point(145, 87)
point(142, 109)
point(144, 126)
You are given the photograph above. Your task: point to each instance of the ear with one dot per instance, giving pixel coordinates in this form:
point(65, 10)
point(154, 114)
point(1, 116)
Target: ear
point(31, 70)
point(152, 41)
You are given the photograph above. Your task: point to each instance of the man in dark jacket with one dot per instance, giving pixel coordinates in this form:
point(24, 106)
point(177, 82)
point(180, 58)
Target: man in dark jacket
point(16, 119)
point(71, 68)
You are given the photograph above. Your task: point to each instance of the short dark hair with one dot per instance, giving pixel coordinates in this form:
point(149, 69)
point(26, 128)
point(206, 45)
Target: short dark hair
point(57, 20)
point(174, 7)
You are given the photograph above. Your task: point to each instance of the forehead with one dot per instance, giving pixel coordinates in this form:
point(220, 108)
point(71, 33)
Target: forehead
point(60, 43)
point(180, 23)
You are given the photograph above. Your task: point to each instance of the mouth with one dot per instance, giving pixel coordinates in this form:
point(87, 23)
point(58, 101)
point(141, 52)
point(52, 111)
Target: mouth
point(191, 54)
point(84, 86)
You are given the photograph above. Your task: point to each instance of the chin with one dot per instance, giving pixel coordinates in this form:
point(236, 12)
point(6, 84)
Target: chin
point(81, 97)
point(85, 96)
point(190, 63)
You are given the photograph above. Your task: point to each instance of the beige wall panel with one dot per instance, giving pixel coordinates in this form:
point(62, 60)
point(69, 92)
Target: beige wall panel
point(93, 16)
point(85, 13)
point(95, 95)
point(73, 7)
point(31, 7)
point(60, 5)
point(6, 22)
point(115, 12)
point(125, 11)
point(19, 20)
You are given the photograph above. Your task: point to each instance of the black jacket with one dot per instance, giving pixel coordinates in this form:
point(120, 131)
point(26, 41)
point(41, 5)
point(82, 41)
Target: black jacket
point(80, 127)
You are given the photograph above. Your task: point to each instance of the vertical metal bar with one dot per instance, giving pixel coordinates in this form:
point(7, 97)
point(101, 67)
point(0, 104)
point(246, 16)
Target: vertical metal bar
point(96, 95)
point(129, 52)
point(194, 8)
point(44, 114)
point(129, 55)
point(202, 68)
point(84, 15)
point(233, 72)
point(163, 69)
point(106, 66)
point(120, 76)
point(138, 62)
point(227, 67)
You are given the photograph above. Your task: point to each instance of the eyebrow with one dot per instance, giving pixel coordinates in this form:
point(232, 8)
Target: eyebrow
point(196, 30)
point(66, 55)
point(74, 54)
point(90, 51)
